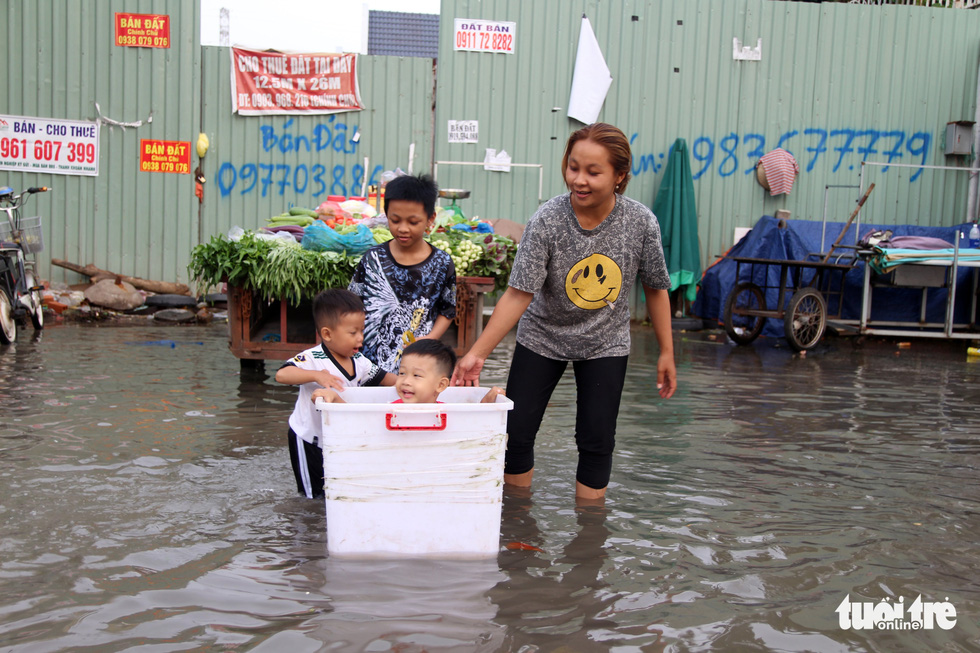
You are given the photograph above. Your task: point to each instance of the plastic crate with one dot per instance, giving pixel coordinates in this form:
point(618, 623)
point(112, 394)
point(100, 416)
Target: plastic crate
point(414, 479)
point(29, 235)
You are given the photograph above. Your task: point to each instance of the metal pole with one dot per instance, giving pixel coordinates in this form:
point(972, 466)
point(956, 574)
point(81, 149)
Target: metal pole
point(951, 291)
point(860, 190)
point(826, 192)
point(539, 166)
point(974, 189)
point(823, 231)
point(916, 165)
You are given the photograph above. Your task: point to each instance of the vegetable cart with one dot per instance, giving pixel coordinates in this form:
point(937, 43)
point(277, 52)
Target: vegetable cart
point(272, 278)
point(276, 330)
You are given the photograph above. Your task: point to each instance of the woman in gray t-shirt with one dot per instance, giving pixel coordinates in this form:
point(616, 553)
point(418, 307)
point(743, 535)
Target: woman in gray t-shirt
point(569, 296)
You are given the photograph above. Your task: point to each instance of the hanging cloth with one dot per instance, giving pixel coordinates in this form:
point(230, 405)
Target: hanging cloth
point(678, 217)
point(780, 168)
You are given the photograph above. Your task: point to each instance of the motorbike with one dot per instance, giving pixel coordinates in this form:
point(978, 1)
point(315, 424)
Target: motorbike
point(20, 241)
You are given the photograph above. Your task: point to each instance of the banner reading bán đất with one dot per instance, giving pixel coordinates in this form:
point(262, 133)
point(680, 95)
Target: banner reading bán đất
point(268, 83)
point(165, 156)
point(143, 30)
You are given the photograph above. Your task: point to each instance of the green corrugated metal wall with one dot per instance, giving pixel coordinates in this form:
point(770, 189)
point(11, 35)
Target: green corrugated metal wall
point(260, 165)
point(59, 61)
point(836, 83)
point(833, 79)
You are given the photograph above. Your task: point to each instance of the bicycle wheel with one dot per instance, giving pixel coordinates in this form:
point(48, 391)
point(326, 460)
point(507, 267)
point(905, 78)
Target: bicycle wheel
point(805, 319)
point(743, 328)
point(8, 327)
point(33, 303)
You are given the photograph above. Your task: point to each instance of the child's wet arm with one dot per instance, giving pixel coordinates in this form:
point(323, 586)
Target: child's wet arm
point(439, 327)
point(291, 375)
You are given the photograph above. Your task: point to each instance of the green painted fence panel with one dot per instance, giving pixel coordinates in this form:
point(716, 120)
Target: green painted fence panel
point(60, 61)
point(259, 166)
point(837, 84)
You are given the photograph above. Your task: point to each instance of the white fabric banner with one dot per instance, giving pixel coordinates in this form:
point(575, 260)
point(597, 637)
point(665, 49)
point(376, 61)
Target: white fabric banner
point(591, 79)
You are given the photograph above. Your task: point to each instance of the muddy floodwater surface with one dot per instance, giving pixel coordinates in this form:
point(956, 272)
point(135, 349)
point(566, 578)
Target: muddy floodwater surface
point(777, 503)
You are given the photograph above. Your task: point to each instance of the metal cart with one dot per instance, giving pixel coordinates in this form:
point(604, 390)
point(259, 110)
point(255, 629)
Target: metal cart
point(814, 286)
point(811, 286)
point(933, 272)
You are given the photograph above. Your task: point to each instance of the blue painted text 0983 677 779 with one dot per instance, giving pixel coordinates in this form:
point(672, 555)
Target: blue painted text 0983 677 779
point(808, 146)
point(724, 156)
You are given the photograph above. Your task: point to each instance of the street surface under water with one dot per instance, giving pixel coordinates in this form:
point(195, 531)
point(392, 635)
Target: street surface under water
point(146, 501)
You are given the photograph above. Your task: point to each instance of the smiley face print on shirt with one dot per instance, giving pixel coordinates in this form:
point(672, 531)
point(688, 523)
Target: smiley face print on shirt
point(594, 282)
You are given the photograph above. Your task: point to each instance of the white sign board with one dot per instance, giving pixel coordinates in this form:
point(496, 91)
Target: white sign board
point(61, 147)
point(464, 131)
point(496, 161)
point(484, 35)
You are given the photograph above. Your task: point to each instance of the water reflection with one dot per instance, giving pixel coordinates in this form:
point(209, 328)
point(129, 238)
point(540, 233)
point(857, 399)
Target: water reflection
point(424, 605)
point(556, 598)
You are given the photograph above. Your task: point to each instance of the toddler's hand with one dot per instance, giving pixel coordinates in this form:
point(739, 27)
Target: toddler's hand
point(491, 396)
point(328, 380)
point(328, 395)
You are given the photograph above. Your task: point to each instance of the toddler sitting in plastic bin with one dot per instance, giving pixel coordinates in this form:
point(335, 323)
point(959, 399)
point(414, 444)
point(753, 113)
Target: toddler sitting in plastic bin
point(424, 372)
point(336, 363)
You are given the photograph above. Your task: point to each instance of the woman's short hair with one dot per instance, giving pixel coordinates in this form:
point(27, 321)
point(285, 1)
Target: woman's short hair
point(610, 137)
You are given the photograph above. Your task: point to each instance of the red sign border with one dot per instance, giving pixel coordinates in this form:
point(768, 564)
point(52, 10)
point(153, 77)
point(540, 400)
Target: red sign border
point(118, 30)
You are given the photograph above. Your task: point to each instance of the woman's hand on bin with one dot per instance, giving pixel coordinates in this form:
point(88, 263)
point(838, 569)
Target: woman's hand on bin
point(467, 371)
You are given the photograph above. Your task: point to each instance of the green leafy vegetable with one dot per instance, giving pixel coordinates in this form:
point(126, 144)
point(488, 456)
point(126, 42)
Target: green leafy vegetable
point(275, 268)
point(278, 268)
point(478, 254)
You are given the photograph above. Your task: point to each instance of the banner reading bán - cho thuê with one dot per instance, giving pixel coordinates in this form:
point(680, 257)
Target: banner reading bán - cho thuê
point(266, 83)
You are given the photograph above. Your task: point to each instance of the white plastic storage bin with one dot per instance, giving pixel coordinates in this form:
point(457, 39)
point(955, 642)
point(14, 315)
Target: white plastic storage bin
point(414, 479)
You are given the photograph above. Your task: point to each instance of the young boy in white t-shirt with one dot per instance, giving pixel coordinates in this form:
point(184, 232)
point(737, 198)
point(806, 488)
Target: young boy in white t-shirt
point(335, 363)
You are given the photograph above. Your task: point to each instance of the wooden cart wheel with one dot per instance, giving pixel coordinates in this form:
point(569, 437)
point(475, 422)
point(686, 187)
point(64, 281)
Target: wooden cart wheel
point(743, 327)
point(805, 319)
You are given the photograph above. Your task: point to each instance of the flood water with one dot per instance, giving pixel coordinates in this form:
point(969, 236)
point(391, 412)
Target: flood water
point(146, 501)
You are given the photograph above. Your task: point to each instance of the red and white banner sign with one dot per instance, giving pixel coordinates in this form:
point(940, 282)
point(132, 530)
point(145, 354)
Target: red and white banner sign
point(266, 83)
point(61, 147)
point(484, 35)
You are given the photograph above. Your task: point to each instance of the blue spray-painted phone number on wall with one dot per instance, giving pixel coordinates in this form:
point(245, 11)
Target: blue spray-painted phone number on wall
point(893, 144)
point(299, 177)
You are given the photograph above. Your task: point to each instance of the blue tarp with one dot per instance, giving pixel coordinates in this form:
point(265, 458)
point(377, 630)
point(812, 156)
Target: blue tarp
point(795, 241)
